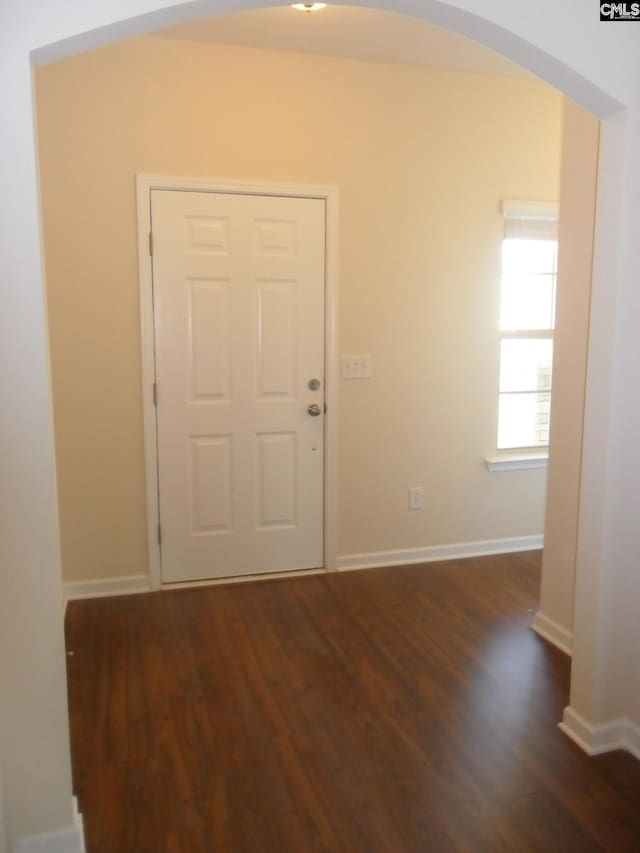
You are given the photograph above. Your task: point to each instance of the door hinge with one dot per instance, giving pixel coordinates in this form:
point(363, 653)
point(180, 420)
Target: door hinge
point(159, 535)
point(151, 243)
point(155, 393)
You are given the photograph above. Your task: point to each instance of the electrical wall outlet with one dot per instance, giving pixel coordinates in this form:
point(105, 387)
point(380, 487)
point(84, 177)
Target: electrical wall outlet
point(415, 498)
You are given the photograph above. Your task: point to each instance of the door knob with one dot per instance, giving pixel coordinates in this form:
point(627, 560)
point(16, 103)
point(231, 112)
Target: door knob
point(314, 410)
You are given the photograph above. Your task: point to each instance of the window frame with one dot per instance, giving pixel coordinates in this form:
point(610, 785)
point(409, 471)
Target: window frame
point(525, 220)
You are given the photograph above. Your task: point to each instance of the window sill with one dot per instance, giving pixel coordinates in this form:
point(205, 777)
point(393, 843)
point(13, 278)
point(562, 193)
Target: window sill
point(517, 461)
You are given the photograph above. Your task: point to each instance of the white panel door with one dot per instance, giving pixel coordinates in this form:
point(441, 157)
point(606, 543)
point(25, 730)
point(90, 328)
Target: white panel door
point(238, 288)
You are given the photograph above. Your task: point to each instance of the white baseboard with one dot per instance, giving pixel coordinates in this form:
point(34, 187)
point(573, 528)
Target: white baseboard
point(553, 632)
point(633, 738)
point(601, 737)
point(105, 587)
point(433, 553)
point(67, 840)
point(78, 823)
point(140, 583)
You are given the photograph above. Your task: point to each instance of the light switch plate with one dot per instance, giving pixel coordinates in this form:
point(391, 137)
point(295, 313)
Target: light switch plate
point(416, 498)
point(355, 367)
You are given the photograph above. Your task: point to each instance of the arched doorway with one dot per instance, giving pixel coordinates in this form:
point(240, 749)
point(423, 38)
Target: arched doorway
point(569, 57)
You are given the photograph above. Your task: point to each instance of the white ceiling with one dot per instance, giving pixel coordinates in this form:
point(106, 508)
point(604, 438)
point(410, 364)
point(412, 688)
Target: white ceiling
point(347, 31)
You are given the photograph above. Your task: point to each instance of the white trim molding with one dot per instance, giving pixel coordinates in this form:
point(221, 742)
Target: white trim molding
point(106, 587)
point(633, 738)
point(516, 461)
point(135, 584)
point(433, 553)
point(601, 737)
point(4, 842)
point(139, 584)
point(146, 183)
point(66, 840)
point(553, 632)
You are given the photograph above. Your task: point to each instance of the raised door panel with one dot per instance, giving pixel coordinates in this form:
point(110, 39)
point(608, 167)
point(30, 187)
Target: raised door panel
point(210, 327)
point(276, 339)
point(211, 484)
point(276, 480)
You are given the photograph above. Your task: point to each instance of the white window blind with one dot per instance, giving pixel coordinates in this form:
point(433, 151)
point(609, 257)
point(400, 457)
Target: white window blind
point(530, 220)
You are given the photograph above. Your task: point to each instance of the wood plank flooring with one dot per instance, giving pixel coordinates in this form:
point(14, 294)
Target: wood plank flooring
point(384, 711)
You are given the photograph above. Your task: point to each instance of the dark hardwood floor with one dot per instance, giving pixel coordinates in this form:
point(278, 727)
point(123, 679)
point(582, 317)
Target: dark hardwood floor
point(396, 710)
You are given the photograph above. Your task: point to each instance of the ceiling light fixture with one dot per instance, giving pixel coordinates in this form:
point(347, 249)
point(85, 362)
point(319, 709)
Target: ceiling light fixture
point(309, 7)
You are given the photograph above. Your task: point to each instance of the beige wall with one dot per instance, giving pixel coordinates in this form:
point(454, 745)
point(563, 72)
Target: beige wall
point(422, 160)
point(581, 133)
point(599, 67)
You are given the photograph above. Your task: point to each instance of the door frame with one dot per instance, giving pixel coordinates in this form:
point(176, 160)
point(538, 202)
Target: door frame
point(144, 184)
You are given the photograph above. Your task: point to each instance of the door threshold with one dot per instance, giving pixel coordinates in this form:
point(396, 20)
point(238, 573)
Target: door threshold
point(236, 579)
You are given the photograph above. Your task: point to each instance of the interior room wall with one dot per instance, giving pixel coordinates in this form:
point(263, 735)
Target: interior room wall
point(605, 691)
point(34, 728)
point(578, 185)
point(422, 160)
point(598, 65)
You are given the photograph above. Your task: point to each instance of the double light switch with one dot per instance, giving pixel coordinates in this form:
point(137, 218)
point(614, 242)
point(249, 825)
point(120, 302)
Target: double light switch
point(355, 367)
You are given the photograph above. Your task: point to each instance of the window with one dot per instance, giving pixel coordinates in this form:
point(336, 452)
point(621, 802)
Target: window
point(527, 320)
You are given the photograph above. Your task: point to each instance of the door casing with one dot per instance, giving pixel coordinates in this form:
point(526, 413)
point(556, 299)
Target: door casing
point(146, 183)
